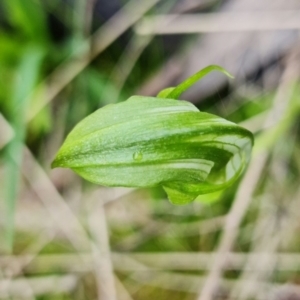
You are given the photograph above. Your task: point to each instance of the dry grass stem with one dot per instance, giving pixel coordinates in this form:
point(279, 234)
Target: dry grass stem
point(219, 22)
point(101, 253)
point(18, 288)
point(128, 60)
point(191, 283)
point(57, 208)
point(122, 292)
point(185, 261)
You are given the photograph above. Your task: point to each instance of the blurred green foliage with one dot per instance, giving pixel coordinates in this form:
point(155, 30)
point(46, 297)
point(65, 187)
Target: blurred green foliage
point(35, 38)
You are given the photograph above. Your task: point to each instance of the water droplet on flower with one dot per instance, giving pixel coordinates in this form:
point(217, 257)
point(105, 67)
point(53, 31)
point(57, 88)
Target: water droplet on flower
point(138, 156)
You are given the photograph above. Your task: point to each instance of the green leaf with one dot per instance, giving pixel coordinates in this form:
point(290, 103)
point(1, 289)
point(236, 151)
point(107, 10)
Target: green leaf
point(175, 92)
point(147, 142)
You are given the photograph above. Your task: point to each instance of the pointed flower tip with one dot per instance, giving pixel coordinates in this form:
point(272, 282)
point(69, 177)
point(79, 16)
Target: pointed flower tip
point(60, 160)
point(55, 163)
point(224, 71)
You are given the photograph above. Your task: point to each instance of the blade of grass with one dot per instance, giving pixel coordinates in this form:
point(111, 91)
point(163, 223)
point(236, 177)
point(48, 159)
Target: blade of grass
point(25, 80)
point(6, 133)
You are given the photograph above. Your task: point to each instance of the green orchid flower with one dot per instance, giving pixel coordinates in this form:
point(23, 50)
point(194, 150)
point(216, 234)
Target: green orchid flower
point(151, 141)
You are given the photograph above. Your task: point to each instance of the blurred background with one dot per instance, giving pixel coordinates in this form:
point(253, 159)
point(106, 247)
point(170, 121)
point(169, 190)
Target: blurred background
point(64, 238)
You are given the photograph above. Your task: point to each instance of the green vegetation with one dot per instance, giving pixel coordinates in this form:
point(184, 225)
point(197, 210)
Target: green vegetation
point(62, 237)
